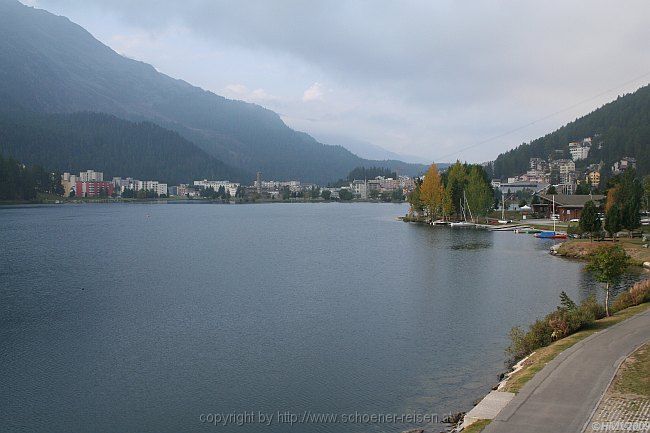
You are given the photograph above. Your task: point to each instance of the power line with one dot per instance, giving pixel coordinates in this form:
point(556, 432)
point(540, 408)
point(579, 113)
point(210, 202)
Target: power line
point(548, 116)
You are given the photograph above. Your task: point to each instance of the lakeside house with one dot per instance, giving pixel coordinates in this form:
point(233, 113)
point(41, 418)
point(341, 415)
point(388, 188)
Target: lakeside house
point(568, 207)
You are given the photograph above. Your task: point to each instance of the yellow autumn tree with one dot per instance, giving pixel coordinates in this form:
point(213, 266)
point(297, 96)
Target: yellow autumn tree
point(432, 192)
point(612, 197)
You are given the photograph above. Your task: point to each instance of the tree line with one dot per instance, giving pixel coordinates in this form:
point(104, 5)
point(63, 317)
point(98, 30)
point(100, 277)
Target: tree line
point(20, 182)
point(620, 128)
point(443, 195)
point(625, 194)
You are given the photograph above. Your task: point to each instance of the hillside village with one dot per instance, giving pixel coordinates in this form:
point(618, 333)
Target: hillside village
point(568, 175)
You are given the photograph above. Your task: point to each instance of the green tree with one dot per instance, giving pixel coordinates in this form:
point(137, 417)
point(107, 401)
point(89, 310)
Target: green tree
point(397, 195)
point(608, 264)
point(629, 197)
point(589, 221)
point(326, 194)
point(478, 191)
point(456, 181)
point(551, 190)
point(613, 220)
point(373, 194)
point(345, 194)
point(583, 189)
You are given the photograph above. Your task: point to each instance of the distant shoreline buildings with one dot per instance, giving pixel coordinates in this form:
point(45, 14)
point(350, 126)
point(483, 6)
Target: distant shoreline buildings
point(91, 183)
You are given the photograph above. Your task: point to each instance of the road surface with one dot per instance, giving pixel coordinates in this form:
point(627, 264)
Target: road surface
point(563, 395)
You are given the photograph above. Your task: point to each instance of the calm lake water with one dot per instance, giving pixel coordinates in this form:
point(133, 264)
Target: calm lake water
point(148, 318)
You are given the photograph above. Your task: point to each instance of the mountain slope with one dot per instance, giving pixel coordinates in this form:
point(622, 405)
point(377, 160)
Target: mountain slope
point(80, 141)
point(623, 125)
point(53, 65)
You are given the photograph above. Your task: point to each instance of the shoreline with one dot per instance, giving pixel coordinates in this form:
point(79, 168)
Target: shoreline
point(511, 381)
point(527, 368)
point(179, 201)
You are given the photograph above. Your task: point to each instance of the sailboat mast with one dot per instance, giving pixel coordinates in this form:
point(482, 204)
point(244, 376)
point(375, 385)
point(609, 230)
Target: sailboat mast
point(553, 215)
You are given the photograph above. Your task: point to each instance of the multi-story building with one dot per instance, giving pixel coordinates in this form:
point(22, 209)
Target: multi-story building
point(68, 182)
point(91, 176)
point(93, 188)
point(593, 177)
point(185, 190)
point(580, 149)
point(563, 166)
point(359, 188)
point(538, 164)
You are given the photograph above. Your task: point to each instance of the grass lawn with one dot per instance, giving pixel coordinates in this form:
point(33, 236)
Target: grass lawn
point(543, 356)
point(634, 375)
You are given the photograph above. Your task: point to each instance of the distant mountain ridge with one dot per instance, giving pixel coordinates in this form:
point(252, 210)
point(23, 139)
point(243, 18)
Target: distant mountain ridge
point(74, 142)
point(622, 126)
point(49, 64)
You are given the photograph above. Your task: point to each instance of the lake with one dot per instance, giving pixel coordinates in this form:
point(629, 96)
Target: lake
point(171, 318)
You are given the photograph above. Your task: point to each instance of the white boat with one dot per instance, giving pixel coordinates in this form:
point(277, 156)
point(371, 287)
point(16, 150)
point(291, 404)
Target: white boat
point(440, 223)
point(464, 223)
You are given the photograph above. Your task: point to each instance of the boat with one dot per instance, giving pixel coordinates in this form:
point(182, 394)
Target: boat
point(528, 231)
point(464, 223)
point(440, 222)
point(552, 234)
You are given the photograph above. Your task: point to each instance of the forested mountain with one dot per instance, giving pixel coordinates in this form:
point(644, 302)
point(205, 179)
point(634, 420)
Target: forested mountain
point(79, 141)
point(622, 126)
point(50, 64)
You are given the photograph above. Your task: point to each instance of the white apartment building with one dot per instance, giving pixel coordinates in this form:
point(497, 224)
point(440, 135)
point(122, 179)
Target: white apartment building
point(230, 187)
point(91, 176)
point(359, 188)
point(578, 151)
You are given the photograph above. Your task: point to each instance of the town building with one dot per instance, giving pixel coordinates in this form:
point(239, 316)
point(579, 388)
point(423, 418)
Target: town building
point(568, 207)
point(185, 190)
point(93, 188)
point(68, 182)
point(513, 187)
point(593, 178)
point(622, 165)
point(230, 187)
point(563, 166)
point(359, 188)
point(538, 164)
point(580, 149)
point(91, 176)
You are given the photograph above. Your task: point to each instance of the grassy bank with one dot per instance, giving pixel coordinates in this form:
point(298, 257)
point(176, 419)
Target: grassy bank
point(581, 248)
point(544, 355)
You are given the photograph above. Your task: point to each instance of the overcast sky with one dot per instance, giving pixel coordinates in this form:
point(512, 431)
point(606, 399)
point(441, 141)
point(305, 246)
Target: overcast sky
point(427, 78)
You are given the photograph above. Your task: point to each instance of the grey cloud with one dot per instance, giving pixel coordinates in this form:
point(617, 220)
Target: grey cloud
point(478, 61)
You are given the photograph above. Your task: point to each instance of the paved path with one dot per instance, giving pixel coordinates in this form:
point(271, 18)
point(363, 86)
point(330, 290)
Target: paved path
point(562, 396)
